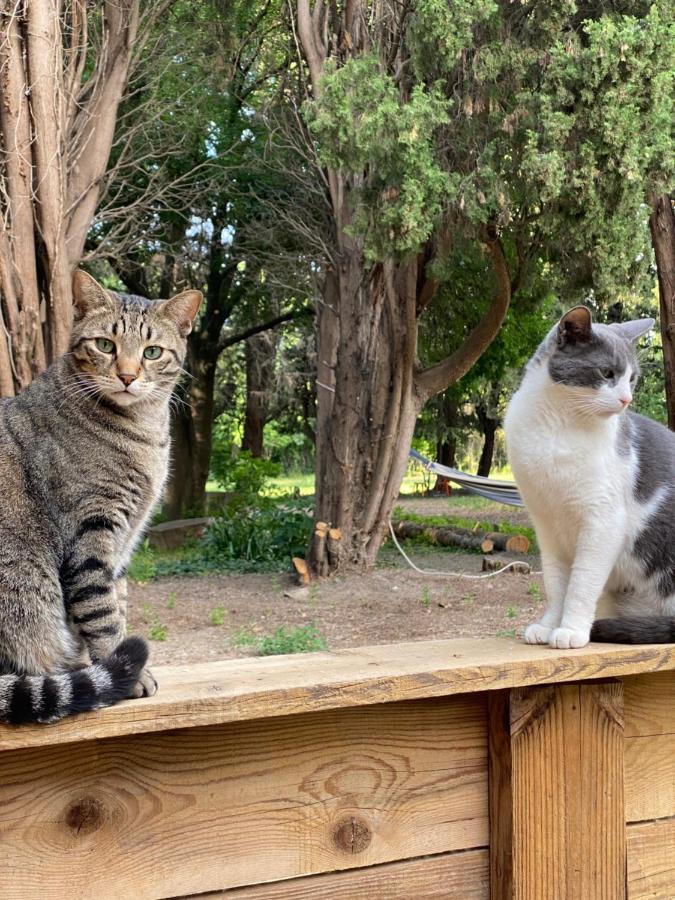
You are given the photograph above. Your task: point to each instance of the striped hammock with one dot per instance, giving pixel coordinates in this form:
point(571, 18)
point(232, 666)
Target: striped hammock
point(490, 488)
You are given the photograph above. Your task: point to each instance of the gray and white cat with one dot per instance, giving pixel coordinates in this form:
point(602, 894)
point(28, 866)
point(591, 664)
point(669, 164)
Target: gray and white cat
point(83, 458)
point(599, 484)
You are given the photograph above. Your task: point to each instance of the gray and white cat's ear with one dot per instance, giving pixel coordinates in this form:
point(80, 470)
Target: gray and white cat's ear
point(635, 329)
point(182, 309)
point(575, 327)
point(87, 293)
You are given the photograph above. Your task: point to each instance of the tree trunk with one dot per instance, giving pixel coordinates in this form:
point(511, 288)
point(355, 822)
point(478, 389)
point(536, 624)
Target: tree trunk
point(662, 226)
point(60, 95)
point(367, 403)
point(260, 357)
point(192, 431)
point(370, 392)
point(485, 461)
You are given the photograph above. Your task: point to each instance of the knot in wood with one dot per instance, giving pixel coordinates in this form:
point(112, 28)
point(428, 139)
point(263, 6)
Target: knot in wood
point(86, 816)
point(352, 835)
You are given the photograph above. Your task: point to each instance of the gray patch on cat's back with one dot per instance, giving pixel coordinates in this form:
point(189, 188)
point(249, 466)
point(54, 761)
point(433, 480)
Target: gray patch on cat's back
point(580, 363)
point(655, 550)
point(655, 449)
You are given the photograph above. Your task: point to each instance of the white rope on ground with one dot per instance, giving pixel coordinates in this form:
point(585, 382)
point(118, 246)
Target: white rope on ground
point(450, 574)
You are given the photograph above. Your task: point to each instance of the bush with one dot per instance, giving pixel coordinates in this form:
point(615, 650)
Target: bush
point(262, 531)
point(238, 472)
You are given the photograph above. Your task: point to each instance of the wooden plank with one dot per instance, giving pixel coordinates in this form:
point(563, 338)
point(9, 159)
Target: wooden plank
point(650, 704)
point(500, 794)
point(650, 777)
point(189, 811)
point(238, 690)
point(452, 876)
point(651, 860)
point(566, 834)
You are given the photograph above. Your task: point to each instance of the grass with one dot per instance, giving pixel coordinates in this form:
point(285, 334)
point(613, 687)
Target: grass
point(299, 639)
point(217, 615)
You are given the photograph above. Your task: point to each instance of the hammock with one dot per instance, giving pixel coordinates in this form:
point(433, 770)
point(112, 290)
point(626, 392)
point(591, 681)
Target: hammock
point(490, 488)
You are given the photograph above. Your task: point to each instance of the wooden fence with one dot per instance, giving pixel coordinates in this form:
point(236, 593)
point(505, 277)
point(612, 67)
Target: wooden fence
point(454, 769)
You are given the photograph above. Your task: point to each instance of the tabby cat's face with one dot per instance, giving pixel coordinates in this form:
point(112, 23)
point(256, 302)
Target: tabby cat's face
point(127, 348)
point(595, 366)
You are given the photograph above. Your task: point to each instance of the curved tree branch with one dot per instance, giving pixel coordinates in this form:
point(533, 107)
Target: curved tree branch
point(449, 370)
point(240, 336)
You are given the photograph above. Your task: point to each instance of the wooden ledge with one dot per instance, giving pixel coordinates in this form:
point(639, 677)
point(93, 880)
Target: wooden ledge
point(244, 689)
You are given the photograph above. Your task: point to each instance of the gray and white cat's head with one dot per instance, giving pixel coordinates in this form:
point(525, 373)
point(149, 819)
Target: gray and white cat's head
point(127, 348)
point(590, 366)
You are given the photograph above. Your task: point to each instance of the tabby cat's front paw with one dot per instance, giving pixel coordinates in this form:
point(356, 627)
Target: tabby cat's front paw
point(146, 685)
point(569, 638)
point(537, 634)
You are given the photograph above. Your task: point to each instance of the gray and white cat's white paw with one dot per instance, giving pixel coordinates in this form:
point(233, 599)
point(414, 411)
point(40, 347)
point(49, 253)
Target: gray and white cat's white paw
point(537, 634)
point(569, 638)
point(146, 685)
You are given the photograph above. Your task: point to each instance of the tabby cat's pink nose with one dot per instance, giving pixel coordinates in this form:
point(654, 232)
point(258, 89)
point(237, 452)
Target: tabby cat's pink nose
point(126, 379)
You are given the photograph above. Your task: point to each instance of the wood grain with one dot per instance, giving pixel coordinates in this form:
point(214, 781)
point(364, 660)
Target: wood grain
point(650, 704)
point(650, 777)
point(651, 860)
point(564, 800)
point(452, 876)
point(183, 812)
point(239, 690)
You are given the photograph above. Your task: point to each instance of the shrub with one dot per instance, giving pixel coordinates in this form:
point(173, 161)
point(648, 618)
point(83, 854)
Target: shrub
point(262, 531)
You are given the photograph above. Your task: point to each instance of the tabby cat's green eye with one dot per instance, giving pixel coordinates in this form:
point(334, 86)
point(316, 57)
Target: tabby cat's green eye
point(152, 352)
point(104, 345)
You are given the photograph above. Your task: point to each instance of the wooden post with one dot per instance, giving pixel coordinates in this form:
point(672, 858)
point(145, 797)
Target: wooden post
point(557, 820)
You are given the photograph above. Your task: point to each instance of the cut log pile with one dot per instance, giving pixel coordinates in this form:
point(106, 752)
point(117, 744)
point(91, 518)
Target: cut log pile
point(454, 536)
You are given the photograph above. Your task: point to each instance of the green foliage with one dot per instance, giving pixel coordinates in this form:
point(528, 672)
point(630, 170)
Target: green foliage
point(157, 631)
point(301, 639)
point(269, 531)
point(363, 125)
point(142, 567)
point(244, 637)
point(217, 615)
point(239, 472)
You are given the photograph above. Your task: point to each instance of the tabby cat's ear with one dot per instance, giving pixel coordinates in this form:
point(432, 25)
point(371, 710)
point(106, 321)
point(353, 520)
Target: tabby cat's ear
point(87, 293)
point(182, 309)
point(635, 329)
point(575, 326)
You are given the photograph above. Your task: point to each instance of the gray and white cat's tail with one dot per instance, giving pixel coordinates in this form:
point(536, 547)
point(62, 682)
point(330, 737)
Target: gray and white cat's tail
point(46, 698)
point(635, 630)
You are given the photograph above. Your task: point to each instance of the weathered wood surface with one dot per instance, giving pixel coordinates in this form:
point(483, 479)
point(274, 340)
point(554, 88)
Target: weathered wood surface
point(556, 793)
point(183, 812)
point(453, 876)
point(237, 690)
point(651, 860)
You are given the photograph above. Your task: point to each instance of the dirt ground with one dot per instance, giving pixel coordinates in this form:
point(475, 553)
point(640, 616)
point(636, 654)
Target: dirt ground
point(392, 603)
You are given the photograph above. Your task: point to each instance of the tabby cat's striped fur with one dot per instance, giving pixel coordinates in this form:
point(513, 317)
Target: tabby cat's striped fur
point(83, 459)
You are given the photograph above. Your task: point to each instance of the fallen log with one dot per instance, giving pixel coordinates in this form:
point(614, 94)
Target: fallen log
point(455, 536)
point(445, 536)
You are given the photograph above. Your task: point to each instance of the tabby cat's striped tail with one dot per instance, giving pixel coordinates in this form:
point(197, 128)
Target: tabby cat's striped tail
point(46, 698)
point(635, 630)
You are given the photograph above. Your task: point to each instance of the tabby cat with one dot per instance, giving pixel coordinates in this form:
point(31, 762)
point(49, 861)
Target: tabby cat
point(83, 458)
point(599, 484)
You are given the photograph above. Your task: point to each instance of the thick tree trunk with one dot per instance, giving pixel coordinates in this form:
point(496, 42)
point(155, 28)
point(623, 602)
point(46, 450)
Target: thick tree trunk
point(60, 93)
point(662, 226)
point(370, 393)
point(367, 404)
point(185, 493)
